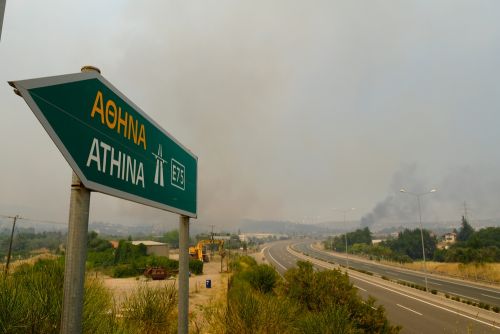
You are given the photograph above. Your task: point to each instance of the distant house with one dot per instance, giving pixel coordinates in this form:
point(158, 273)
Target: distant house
point(114, 243)
point(450, 237)
point(395, 235)
point(153, 247)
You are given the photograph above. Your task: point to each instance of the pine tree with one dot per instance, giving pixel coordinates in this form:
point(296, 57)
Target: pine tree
point(466, 231)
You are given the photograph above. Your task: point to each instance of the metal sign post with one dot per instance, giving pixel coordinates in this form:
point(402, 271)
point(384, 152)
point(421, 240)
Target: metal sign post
point(113, 147)
point(76, 253)
point(2, 11)
point(183, 274)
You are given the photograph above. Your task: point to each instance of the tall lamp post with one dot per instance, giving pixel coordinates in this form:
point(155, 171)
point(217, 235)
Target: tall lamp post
point(345, 211)
point(418, 195)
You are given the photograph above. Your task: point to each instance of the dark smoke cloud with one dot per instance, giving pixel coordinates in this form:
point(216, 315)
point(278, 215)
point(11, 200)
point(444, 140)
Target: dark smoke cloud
point(477, 187)
point(396, 207)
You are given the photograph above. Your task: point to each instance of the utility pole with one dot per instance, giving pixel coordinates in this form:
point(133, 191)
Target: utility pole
point(212, 243)
point(228, 252)
point(16, 217)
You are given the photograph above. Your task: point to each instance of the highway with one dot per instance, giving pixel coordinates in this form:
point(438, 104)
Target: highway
point(467, 290)
point(415, 314)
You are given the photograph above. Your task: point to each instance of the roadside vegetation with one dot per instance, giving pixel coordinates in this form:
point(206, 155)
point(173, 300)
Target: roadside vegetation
point(128, 260)
point(27, 243)
point(260, 301)
point(31, 302)
point(475, 255)
point(482, 246)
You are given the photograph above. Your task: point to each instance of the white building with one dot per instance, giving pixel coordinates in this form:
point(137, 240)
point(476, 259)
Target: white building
point(153, 247)
point(450, 237)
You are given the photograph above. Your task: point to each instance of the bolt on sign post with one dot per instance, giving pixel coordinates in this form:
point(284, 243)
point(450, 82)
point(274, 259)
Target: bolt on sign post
point(113, 147)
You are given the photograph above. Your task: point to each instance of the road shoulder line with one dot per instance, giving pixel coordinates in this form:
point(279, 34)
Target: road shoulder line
point(396, 288)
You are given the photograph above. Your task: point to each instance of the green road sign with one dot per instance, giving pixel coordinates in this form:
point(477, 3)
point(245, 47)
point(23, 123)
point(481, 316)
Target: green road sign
point(111, 144)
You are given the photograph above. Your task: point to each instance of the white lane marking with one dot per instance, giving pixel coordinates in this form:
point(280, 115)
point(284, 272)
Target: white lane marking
point(409, 309)
point(416, 273)
point(263, 249)
point(357, 287)
point(435, 283)
point(490, 296)
point(464, 296)
point(417, 299)
point(276, 261)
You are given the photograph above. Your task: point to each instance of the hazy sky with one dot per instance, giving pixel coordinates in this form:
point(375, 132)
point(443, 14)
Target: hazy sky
point(293, 107)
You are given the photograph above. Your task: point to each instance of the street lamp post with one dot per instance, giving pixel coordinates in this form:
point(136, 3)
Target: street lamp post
point(421, 229)
point(345, 211)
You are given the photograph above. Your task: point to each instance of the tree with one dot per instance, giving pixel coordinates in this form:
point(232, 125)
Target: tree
point(409, 243)
point(466, 231)
point(360, 236)
point(128, 253)
point(94, 243)
point(172, 238)
point(486, 237)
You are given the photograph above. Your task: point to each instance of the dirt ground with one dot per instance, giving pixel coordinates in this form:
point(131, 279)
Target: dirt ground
point(199, 295)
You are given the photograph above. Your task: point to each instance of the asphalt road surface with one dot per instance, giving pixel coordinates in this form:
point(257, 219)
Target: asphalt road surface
point(416, 315)
point(467, 290)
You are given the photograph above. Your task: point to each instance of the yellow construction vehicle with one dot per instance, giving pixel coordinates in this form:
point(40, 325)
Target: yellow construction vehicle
point(199, 252)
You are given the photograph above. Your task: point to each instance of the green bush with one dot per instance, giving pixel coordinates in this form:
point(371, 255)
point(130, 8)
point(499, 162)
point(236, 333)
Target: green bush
point(332, 320)
point(306, 302)
point(151, 310)
point(31, 301)
point(316, 291)
point(262, 278)
point(100, 259)
point(249, 312)
point(126, 270)
point(195, 267)
point(98, 308)
point(164, 262)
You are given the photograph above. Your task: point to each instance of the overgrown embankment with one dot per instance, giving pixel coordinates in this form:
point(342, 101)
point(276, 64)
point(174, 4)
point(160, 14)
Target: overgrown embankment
point(31, 302)
point(259, 301)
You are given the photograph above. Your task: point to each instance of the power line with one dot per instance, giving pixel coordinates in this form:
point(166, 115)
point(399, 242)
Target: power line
point(33, 220)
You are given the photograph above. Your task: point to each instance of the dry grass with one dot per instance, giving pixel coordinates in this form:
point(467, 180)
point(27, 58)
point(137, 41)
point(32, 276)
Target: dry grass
point(489, 272)
point(43, 256)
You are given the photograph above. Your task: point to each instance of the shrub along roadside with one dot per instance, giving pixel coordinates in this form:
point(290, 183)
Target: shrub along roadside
point(259, 301)
point(31, 302)
point(151, 310)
